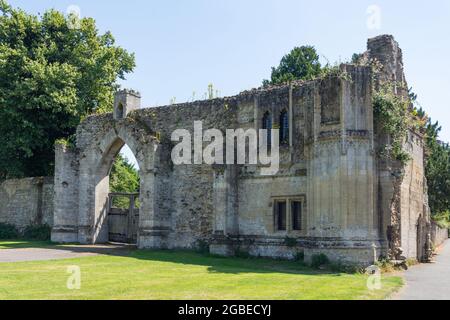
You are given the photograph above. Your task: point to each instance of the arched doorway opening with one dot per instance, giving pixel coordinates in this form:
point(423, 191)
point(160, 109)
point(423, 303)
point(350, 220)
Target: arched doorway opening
point(117, 195)
point(83, 174)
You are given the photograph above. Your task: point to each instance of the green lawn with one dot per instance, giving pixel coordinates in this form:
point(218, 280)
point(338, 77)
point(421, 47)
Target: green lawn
point(180, 275)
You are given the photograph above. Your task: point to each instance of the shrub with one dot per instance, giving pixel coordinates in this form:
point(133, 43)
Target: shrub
point(319, 260)
point(241, 253)
point(392, 112)
point(37, 232)
point(202, 247)
point(8, 232)
point(300, 256)
point(290, 242)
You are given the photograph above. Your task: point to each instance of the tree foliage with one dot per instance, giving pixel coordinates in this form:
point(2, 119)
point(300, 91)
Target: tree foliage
point(51, 77)
point(124, 176)
point(437, 171)
point(437, 168)
point(302, 63)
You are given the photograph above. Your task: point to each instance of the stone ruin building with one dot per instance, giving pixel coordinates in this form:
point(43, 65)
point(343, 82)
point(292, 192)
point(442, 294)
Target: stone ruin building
point(333, 193)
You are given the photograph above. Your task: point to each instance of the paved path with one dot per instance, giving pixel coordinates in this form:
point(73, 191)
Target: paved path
point(428, 281)
point(56, 253)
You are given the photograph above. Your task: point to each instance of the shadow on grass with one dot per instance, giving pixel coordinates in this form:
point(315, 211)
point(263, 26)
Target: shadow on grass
point(214, 264)
point(230, 265)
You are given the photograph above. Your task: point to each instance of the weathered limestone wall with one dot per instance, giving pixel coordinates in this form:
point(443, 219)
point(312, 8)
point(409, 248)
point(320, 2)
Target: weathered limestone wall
point(412, 196)
point(330, 165)
point(438, 235)
point(26, 202)
point(66, 184)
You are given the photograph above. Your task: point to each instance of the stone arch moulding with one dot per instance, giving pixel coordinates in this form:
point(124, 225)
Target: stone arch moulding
point(93, 168)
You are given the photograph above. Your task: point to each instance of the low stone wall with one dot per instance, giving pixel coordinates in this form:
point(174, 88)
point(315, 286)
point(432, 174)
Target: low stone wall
point(438, 234)
point(27, 201)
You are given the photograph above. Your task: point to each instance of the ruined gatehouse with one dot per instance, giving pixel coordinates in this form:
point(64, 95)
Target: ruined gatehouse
point(333, 193)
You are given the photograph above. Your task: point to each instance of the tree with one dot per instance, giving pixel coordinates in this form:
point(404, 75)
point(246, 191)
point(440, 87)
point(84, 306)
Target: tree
point(124, 178)
point(51, 76)
point(437, 170)
point(302, 63)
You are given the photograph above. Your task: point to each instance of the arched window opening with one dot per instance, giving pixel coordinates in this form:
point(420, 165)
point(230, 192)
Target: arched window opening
point(284, 128)
point(267, 125)
point(120, 111)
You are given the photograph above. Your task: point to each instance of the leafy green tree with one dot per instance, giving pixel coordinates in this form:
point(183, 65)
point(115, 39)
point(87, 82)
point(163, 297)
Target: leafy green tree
point(302, 63)
point(51, 76)
point(437, 170)
point(124, 178)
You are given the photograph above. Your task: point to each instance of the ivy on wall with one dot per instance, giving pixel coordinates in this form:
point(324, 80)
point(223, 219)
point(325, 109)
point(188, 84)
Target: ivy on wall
point(393, 113)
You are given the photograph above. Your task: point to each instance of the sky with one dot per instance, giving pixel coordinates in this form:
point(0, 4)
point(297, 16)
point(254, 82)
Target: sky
point(182, 46)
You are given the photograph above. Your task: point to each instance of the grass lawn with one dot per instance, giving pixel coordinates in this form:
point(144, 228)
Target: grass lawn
point(180, 275)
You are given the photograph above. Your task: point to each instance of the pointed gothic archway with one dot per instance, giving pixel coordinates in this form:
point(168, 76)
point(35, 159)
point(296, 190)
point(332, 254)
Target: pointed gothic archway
point(94, 182)
point(82, 182)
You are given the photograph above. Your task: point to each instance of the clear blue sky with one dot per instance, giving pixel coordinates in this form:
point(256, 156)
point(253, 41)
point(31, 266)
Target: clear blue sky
point(182, 46)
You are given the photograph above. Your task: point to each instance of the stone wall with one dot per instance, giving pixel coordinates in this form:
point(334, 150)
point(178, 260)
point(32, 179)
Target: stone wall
point(438, 235)
point(327, 165)
point(350, 199)
point(413, 194)
point(26, 202)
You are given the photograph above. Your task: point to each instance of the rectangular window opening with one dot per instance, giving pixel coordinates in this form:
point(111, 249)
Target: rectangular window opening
point(280, 215)
point(296, 210)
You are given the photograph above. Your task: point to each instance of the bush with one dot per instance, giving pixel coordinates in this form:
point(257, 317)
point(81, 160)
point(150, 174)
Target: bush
point(290, 242)
point(300, 256)
point(319, 260)
point(202, 247)
point(385, 265)
point(241, 253)
point(8, 232)
point(37, 233)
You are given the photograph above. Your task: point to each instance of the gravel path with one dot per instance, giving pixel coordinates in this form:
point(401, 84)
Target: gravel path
point(428, 281)
point(56, 253)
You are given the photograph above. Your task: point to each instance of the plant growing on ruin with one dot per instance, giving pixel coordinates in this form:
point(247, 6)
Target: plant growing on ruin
point(290, 242)
point(302, 63)
point(392, 113)
point(68, 142)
